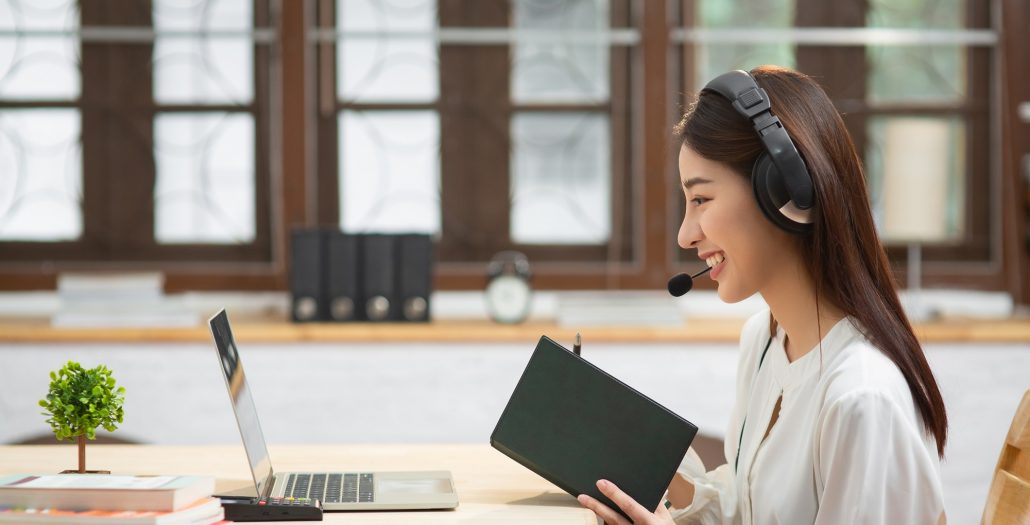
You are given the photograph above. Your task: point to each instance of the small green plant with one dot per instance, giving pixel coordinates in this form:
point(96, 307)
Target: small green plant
point(79, 401)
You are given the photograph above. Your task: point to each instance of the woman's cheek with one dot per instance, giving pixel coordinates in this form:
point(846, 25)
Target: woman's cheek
point(710, 224)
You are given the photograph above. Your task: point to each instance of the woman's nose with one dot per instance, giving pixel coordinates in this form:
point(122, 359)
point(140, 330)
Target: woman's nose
point(690, 233)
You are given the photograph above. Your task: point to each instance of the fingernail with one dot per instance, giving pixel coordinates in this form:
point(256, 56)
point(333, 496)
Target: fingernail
point(602, 484)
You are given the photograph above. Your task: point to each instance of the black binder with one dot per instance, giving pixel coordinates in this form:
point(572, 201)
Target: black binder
point(379, 277)
point(343, 277)
point(307, 297)
point(415, 276)
point(572, 423)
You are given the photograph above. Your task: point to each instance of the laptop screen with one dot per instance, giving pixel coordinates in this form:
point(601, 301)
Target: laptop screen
point(242, 403)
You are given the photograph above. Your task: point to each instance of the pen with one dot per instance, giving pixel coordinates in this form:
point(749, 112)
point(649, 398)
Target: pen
point(578, 346)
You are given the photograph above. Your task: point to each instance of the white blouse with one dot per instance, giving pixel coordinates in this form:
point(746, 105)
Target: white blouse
point(848, 445)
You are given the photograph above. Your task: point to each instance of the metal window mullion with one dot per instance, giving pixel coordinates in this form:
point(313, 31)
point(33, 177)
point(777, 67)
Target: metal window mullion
point(141, 34)
point(837, 36)
point(569, 107)
point(486, 36)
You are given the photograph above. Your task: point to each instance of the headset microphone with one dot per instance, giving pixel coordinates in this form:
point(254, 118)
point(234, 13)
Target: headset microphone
point(682, 283)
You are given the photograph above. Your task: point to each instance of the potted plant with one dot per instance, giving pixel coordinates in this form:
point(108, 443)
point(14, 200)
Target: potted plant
point(79, 401)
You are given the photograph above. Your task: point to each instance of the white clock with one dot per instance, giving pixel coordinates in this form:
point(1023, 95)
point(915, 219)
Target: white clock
point(508, 292)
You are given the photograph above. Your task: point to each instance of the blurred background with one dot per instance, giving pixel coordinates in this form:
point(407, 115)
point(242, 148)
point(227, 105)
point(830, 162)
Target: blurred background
point(155, 156)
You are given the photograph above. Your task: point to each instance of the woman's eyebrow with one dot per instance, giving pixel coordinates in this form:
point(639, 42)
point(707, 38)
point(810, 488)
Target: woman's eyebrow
point(694, 181)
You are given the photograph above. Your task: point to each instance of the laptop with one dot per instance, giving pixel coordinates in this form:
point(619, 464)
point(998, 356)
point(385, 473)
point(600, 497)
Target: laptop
point(336, 490)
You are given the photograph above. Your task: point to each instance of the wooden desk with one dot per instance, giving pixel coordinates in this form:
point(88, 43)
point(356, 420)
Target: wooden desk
point(491, 487)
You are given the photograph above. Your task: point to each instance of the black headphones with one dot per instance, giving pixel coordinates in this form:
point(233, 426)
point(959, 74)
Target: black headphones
point(780, 179)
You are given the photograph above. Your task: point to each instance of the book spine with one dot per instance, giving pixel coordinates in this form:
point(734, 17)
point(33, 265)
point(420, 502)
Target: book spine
point(91, 500)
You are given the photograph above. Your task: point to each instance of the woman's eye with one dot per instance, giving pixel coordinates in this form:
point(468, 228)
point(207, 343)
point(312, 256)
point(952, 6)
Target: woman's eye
point(697, 201)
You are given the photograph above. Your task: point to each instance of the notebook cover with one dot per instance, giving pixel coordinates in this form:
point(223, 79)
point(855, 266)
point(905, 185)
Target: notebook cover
point(572, 423)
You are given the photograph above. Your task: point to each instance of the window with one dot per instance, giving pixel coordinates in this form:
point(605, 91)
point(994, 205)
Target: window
point(204, 124)
point(135, 131)
point(191, 136)
point(40, 126)
point(492, 125)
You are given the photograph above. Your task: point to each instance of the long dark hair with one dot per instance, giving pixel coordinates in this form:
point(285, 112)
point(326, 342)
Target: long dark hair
point(847, 261)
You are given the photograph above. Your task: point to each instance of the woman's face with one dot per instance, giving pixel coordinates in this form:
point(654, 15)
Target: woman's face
point(723, 222)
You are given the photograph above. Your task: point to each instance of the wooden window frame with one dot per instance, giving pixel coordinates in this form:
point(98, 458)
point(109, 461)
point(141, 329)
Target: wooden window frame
point(118, 112)
point(298, 194)
point(467, 152)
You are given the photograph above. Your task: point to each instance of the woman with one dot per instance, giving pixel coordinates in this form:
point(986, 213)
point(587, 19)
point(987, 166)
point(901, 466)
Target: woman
point(838, 418)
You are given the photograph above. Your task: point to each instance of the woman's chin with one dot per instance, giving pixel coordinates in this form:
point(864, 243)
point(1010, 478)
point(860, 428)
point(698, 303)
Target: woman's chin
point(730, 294)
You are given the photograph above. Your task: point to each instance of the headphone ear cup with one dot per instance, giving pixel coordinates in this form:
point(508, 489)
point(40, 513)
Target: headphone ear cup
point(771, 195)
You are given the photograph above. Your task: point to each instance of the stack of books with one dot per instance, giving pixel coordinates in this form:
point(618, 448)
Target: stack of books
point(118, 300)
point(103, 499)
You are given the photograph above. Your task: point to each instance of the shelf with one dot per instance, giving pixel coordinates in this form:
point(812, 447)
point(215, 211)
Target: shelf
point(276, 331)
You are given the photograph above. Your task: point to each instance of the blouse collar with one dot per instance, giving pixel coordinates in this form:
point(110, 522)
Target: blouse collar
point(790, 375)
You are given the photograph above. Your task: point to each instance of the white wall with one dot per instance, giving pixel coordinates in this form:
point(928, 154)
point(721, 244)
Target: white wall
point(332, 393)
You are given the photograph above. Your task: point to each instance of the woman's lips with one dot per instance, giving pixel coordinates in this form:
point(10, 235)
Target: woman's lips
point(717, 269)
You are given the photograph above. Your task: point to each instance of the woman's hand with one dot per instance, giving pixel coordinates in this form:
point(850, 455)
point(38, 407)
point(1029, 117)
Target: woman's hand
point(634, 510)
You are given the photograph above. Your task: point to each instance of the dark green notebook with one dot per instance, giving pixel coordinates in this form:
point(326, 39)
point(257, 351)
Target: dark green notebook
point(572, 423)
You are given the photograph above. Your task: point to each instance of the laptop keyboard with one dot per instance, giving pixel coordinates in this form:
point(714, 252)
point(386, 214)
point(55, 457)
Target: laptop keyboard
point(331, 488)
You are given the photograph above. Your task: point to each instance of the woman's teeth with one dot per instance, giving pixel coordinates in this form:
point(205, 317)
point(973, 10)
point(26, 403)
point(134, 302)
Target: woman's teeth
point(714, 260)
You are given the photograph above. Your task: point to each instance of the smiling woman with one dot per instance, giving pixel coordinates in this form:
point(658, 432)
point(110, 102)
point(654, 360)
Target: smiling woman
point(845, 403)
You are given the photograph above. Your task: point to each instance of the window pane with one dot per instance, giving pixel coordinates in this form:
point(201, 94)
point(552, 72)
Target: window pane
point(203, 69)
point(205, 178)
point(40, 175)
point(390, 171)
point(561, 178)
point(553, 72)
point(916, 73)
point(39, 68)
point(917, 14)
point(917, 156)
point(715, 59)
point(380, 68)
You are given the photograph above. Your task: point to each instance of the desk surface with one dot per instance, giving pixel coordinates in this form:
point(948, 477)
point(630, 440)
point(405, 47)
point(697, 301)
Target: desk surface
point(491, 487)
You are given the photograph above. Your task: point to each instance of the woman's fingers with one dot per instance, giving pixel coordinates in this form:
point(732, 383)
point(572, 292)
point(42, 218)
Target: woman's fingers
point(609, 516)
point(628, 505)
point(663, 511)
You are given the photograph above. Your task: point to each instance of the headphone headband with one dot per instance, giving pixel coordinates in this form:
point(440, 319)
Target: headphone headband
point(752, 102)
point(740, 88)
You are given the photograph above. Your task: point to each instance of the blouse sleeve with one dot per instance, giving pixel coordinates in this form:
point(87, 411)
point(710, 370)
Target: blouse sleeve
point(715, 494)
point(874, 465)
point(715, 491)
